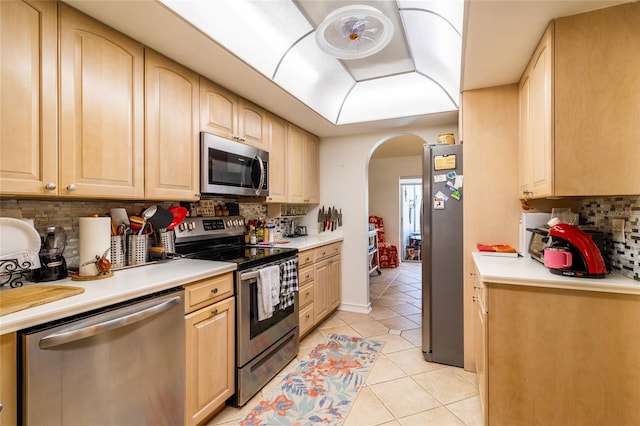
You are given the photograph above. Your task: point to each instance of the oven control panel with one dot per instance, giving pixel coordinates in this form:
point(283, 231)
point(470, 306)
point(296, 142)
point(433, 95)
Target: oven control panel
point(194, 228)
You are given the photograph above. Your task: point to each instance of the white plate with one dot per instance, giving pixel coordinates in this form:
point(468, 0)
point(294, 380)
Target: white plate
point(18, 236)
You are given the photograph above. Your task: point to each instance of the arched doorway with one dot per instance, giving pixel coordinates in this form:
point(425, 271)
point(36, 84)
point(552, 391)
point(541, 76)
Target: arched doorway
point(392, 158)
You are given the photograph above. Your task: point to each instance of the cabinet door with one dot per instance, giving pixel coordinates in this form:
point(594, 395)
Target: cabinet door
point(28, 106)
point(597, 102)
point(295, 162)
point(321, 289)
point(277, 146)
point(251, 124)
point(218, 110)
point(101, 115)
point(524, 145)
point(335, 282)
point(311, 193)
point(480, 344)
point(541, 165)
point(172, 127)
point(210, 359)
point(8, 380)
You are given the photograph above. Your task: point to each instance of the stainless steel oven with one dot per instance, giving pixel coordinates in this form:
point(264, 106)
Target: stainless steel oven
point(230, 167)
point(263, 347)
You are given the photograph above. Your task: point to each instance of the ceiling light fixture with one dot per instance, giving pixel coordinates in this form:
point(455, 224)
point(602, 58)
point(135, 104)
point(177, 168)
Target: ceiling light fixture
point(354, 32)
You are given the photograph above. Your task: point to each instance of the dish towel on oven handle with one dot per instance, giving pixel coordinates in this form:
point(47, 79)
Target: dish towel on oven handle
point(268, 283)
point(288, 282)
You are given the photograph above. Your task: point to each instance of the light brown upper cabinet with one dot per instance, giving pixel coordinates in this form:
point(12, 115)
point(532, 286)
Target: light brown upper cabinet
point(28, 106)
point(172, 117)
point(311, 190)
point(592, 105)
point(101, 110)
point(536, 111)
point(302, 166)
point(225, 114)
point(277, 147)
point(295, 164)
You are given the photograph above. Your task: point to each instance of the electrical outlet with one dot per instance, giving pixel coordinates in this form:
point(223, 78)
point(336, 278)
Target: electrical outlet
point(617, 230)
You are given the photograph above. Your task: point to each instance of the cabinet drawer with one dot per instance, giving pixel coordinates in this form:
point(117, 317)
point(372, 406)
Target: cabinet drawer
point(326, 251)
point(305, 275)
point(306, 294)
point(305, 258)
point(306, 319)
point(205, 292)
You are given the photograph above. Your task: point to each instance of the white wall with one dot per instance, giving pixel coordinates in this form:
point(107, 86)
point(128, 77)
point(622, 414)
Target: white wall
point(344, 165)
point(384, 191)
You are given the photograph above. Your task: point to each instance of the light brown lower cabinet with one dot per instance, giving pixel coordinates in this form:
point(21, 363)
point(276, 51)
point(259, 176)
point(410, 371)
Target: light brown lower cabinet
point(320, 279)
point(210, 347)
point(8, 380)
point(561, 357)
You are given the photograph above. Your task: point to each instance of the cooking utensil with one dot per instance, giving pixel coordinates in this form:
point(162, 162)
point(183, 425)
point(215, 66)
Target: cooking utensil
point(162, 218)
point(119, 216)
point(179, 214)
point(146, 215)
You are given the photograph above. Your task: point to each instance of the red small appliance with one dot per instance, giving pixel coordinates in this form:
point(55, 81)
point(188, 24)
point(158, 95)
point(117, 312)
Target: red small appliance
point(587, 259)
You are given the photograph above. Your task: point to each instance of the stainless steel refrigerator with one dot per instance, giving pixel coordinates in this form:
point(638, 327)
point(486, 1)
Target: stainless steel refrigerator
point(442, 260)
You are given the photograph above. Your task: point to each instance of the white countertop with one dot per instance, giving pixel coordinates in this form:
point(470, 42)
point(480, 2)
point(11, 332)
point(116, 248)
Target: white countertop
point(125, 284)
point(312, 241)
point(529, 272)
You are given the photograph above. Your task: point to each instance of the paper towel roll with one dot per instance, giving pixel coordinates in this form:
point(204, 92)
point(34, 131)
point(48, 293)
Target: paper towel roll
point(95, 239)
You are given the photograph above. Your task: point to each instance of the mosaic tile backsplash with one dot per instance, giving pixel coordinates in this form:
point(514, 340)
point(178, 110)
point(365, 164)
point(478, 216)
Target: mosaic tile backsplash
point(65, 213)
point(622, 257)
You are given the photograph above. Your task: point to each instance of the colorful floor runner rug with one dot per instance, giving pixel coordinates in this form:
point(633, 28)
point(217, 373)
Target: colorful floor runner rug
point(323, 387)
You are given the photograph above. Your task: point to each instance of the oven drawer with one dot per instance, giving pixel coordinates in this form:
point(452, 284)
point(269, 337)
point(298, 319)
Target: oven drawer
point(208, 291)
point(305, 294)
point(305, 258)
point(306, 319)
point(305, 275)
point(326, 251)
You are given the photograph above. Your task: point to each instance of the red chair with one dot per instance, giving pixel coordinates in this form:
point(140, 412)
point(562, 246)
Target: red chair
point(387, 253)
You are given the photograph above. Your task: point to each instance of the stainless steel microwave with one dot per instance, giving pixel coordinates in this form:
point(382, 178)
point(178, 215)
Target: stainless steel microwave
point(232, 168)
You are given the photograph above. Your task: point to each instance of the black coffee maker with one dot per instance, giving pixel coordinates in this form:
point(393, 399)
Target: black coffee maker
point(52, 264)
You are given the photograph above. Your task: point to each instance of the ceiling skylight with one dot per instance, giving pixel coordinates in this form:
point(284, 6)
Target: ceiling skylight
point(403, 58)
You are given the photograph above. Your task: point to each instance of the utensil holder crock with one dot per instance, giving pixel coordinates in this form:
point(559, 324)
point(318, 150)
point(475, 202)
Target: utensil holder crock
point(167, 241)
point(118, 251)
point(137, 249)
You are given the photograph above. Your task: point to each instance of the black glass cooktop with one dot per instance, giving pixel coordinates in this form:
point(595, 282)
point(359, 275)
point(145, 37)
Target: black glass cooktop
point(245, 256)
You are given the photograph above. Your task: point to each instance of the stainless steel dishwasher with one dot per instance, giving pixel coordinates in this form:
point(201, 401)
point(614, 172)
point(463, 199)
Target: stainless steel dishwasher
point(120, 365)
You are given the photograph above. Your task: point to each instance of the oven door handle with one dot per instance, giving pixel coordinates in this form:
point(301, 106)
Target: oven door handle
point(249, 276)
point(63, 337)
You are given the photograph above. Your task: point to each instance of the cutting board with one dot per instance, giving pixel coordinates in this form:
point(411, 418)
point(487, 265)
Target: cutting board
point(16, 299)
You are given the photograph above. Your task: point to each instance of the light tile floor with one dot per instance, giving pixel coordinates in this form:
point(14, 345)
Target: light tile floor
point(402, 388)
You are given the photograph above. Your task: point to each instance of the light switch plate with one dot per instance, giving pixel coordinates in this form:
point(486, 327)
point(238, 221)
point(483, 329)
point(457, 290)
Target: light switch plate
point(617, 230)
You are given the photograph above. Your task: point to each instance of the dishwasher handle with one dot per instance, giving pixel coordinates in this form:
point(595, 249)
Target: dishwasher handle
point(63, 337)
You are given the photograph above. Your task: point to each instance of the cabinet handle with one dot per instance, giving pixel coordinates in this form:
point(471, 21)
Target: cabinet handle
point(50, 186)
point(214, 312)
point(306, 316)
point(475, 299)
point(71, 187)
point(477, 286)
point(214, 290)
point(307, 294)
point(473, 274)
